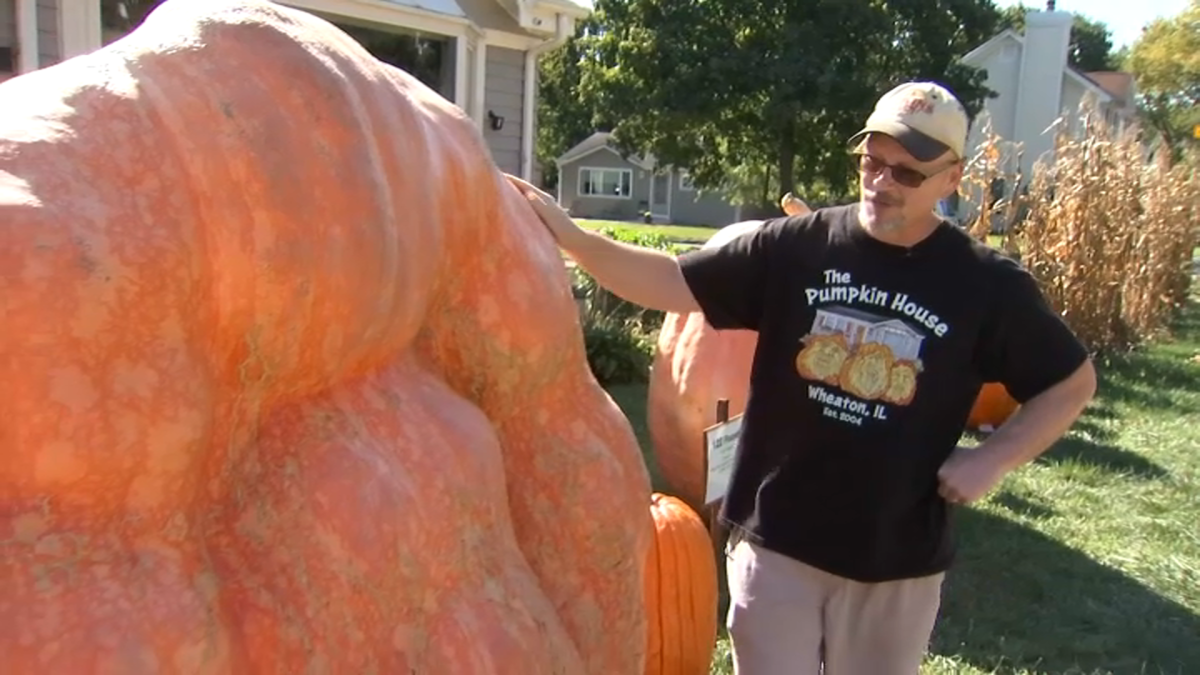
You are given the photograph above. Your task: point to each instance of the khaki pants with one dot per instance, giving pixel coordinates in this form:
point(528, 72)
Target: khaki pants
point(787, 618)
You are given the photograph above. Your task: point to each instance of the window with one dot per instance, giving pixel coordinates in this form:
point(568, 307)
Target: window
point(685, 182)
point(610, 183)
point(429, 57)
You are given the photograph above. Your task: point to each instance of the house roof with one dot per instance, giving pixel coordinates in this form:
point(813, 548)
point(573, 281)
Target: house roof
point(982, 52)
point(595, 143)
point(490, 15)
point(579, 9)
point(1117, 83)
point(447, 7)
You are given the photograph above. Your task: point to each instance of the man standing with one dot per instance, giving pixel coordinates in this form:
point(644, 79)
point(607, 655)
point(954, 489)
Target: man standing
point(877, 323)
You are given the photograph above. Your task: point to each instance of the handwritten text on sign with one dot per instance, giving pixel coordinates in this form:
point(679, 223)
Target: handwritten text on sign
point(720, 444)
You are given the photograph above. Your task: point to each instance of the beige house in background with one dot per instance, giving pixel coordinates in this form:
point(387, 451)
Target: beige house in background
point(1035, 85)
point(484, 52)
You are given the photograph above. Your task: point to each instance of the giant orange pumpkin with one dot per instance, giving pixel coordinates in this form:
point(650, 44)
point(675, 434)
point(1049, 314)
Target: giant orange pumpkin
point(694, 367)
point(681, 591)
point(292, 377)
point(993, 406)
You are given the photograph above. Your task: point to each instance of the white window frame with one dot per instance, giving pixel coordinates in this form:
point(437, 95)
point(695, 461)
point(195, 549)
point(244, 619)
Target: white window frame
point(579, 182)
point(685, 182)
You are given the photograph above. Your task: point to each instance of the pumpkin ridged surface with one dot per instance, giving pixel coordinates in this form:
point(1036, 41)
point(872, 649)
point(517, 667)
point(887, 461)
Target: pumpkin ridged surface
point(681, 591)
point(293, 378)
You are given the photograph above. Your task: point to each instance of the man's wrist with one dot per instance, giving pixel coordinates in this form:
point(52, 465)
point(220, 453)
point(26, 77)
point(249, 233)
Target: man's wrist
point(576, 240)
point(1006, 453)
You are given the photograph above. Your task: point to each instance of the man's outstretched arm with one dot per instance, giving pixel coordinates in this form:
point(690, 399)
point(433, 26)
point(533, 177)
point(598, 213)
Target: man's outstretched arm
point(644, 276)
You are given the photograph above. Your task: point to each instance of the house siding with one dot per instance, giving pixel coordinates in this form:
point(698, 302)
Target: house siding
point(8, 36)
point(607, 208)
point(1074, 95)
point(1003, 76)
point(1003, 68)
point(47, 21)
point(695, 207)
point(503, 94)
point(537, 172)
point(47, 18)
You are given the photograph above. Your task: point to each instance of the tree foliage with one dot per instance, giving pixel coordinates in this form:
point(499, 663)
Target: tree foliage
point(1166, 63)
point(718, 85)
point(564, 118)
point(1091, 47)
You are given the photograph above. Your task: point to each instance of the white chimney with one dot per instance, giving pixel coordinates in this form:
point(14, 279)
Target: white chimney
point(1039, 94)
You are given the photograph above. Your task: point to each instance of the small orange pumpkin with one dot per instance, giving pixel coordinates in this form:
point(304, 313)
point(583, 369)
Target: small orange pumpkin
point(993, 406)
point(681, 591)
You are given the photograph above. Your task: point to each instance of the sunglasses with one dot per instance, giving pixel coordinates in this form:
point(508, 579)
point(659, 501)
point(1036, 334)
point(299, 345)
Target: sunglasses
point(903, 175)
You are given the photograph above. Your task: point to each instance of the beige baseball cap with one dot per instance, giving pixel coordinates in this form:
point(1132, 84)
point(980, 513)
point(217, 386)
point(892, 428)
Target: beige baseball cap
point(924, 117)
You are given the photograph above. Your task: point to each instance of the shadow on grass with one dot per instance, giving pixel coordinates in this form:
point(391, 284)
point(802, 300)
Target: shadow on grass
point(1019, 599)
point(1022, 506)
point(1086, 447)
point(1108, 458)
point(1144, 378)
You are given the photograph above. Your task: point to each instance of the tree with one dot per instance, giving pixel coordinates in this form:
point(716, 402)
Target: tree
point(711, 85)
point(1090, 48)
point(122, 16)
point(564, 117)
point(1165, 61)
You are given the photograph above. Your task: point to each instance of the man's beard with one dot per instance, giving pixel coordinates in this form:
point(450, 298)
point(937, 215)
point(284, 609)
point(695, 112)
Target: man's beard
point(881, 223)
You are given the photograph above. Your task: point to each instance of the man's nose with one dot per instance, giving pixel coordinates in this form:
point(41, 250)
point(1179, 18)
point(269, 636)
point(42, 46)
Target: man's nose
point(883, 178)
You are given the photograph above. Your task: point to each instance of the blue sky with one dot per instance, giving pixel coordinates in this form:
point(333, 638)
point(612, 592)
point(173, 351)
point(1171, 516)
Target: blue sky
point(1125, 18)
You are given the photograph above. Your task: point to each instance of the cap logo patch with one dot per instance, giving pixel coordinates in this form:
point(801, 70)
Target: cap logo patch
point(917, 103)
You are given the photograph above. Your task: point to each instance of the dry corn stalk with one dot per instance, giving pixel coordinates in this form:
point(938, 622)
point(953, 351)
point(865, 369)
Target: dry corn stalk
point(1108, 232)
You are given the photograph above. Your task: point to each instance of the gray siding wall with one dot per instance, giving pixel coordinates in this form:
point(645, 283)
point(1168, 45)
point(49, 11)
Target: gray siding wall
point(692, 207)
point(607, 208)
point(538, 172)
point(47, 18)
point(503, 94)
point(8, 32)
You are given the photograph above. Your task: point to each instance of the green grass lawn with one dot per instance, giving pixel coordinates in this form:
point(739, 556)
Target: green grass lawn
point(689, 235)
point(681, 234)
point(1088, 560)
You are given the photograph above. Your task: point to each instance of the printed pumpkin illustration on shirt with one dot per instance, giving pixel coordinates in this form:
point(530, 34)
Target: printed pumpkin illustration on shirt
point(871, 357)
point(902, 382)
point(823, 358)
point(867, 373)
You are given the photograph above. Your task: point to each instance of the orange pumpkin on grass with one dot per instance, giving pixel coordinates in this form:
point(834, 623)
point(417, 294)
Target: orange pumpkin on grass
point(993, 406)
point(681, 591)
point(293, 379)
point(694, 366)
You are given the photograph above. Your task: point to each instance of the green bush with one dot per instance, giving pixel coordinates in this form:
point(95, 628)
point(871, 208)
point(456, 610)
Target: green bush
point(619, 336)
point(618, 353)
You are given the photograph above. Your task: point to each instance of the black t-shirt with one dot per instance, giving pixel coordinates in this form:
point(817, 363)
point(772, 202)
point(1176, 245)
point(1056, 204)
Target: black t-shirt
point(869, 359)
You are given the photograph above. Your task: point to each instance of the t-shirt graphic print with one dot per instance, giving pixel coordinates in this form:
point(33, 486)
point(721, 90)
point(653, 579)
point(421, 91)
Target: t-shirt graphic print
point(859, 361)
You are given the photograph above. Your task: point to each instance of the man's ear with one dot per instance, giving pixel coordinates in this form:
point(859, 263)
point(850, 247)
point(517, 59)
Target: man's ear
point(954, 178)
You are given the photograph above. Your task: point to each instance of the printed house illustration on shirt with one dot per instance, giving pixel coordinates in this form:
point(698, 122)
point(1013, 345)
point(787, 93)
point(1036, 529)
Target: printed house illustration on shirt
point(861, 328)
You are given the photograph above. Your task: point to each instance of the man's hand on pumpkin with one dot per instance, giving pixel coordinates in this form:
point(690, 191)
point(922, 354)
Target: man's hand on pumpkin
point(564, 230)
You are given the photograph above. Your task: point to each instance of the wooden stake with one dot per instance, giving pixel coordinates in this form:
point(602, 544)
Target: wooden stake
point(716, 530)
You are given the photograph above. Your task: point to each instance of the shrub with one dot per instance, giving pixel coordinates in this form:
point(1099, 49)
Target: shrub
point(619, 336)
point(618, 353)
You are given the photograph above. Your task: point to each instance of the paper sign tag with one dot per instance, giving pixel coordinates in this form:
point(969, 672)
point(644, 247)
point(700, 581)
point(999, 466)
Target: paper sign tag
point(720, 445)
